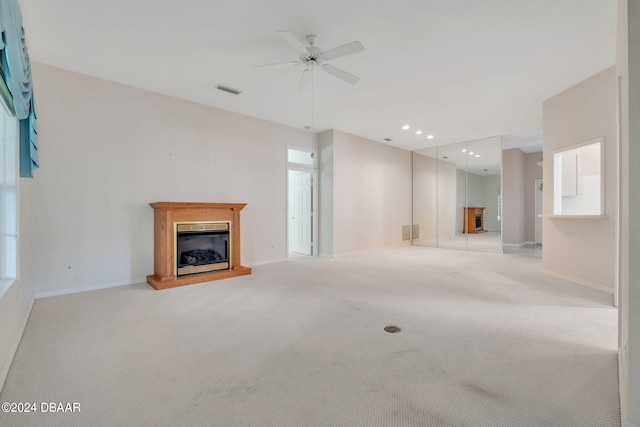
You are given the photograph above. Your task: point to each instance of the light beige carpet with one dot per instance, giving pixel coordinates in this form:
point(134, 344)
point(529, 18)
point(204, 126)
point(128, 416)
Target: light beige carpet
point(486, 340)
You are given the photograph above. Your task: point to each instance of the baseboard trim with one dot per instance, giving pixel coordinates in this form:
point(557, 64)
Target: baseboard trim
point(623, 371)
point(578, 281)
point(514, 245)
point(75, 290)
point(14, 346)
point(424, 241)
point(270, 262)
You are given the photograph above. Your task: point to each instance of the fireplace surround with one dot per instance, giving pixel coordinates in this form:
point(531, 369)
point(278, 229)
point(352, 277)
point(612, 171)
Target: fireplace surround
point(195, 242)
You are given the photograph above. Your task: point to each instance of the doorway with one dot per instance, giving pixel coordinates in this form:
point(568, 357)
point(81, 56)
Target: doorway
point(300, 212)
point(538, 207)
point(302, 201)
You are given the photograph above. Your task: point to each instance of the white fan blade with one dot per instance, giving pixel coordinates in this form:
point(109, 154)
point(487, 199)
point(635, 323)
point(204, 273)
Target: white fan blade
point(279, 64)
point(341, 74)
point(305, 81)
point(293, 41)
point(345, 49)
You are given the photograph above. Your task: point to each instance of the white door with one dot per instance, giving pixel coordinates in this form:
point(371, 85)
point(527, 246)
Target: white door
point(300, 240)
point(538, 202)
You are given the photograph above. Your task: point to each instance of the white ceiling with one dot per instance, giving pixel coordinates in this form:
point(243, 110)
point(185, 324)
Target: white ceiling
point(459, 69)
point(480, 157)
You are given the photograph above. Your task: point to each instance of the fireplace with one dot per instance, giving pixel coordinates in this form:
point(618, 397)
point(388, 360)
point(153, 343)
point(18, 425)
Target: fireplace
point(195, 243)
point(473, 220)
point(202, 247)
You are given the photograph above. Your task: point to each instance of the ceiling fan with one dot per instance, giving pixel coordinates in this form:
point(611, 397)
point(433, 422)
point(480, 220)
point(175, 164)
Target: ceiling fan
point(312, 56)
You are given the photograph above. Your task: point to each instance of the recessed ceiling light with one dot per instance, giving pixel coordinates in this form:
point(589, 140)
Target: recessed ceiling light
point(464, 150)
point(405, 127)
point(429, 136)
point(471, 153)
point(477, 155)
point(418, 132)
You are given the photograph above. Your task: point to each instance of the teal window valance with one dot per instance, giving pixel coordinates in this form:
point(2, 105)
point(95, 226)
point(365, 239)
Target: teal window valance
point(15, 71)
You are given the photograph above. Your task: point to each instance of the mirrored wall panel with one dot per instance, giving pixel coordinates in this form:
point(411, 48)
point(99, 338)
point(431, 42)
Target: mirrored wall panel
point(425, 197)
point(456, 196)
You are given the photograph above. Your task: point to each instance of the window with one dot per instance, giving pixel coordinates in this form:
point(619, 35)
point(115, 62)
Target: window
point(8, 200)
point(577, 180)
point(301, 156)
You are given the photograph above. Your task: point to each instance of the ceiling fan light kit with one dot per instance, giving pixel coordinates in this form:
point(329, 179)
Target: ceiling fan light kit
point(311, 56)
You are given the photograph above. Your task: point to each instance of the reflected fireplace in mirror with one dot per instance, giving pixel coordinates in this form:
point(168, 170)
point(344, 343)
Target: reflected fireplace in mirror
point(202, 247)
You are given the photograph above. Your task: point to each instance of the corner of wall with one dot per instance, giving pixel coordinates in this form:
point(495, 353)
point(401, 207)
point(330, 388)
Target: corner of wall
point(325, 196)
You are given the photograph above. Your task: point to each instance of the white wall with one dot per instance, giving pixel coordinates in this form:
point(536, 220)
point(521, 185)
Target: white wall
point(108, 150)
point(16, 302)
point(438, 198)
point(475, 191)
point(447, 200)
point(532, 171)
point(461, 200)
point(425, 197)
point(582, 250)
point(490, 192)
point(371, 193)
point(513, 197)
point(628, 70)
point(325, 188)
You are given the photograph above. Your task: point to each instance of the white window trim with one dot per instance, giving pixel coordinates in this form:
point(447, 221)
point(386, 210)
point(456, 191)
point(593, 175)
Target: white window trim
point(9, 182)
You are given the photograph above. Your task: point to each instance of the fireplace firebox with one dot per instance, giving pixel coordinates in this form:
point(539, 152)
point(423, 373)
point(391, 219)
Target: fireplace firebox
point(202, 247)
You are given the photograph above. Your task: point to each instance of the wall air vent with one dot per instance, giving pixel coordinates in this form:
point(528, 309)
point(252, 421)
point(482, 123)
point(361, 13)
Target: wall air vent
point(228, 89)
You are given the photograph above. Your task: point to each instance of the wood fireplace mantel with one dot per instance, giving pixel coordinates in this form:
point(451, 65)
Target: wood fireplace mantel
point(469, 220)
point(166, 214)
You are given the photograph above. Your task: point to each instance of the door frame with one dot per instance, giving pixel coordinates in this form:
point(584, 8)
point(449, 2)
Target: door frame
point(537, 206)
point(313, 170)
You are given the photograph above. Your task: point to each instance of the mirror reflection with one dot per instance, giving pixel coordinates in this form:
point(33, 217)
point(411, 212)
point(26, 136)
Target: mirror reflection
point(425, 197)
point(483, 191)
point(456, 196)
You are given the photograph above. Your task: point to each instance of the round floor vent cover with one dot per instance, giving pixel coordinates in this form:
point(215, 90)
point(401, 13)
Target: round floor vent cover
point(392, 329)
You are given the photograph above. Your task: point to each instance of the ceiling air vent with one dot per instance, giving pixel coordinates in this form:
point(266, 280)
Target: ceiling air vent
point(228, 89)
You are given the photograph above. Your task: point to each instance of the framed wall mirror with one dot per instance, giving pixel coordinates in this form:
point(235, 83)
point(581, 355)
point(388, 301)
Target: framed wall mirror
point(577, 180)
